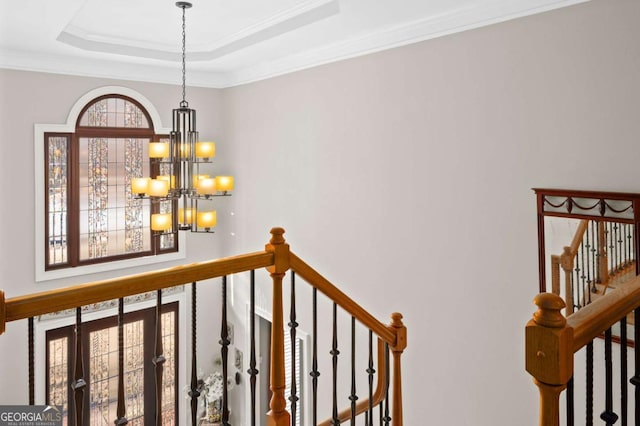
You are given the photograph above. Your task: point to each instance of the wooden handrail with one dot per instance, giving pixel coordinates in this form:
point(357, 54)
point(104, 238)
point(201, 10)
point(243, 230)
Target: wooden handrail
point(566, 261)
point(277, 259)
point(592, 320)
point(579, 235)
point(345, 302)
point(85, 294)
point(394, 336)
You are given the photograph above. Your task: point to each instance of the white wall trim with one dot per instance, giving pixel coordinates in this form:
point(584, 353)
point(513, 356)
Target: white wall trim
point(479, 15)
point(307, 418)
point(39, 130)
point(463, 19)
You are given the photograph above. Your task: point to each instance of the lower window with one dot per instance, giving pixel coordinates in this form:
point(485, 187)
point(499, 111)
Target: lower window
point(100, 360)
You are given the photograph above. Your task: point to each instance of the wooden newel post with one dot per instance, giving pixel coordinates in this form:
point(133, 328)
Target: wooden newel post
point(278, 415)
point(549, 354)
point(401, 343)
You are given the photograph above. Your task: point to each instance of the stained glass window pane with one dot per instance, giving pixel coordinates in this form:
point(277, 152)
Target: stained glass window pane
point(58, 375)
point(103, 360)
point(169, 369)
point(57, 198)
point(114, 112)
point(112, 223)
point(112, 220)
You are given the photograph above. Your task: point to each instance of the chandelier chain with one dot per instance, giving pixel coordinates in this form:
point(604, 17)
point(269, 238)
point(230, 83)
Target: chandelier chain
point(184, 80)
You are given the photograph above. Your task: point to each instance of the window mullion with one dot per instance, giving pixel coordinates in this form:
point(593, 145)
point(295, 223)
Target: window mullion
point(73, 200)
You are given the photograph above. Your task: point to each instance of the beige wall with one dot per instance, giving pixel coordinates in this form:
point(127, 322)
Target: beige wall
point(405, 177)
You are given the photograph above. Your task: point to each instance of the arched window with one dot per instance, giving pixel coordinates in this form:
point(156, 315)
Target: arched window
point(91, 215)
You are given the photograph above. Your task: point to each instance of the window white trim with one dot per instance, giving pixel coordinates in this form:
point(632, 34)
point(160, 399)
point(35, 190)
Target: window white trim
point(42, 326)
point(70, 127)
point(263, 406)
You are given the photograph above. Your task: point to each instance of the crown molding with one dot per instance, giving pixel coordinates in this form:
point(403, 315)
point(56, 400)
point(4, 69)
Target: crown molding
point(100, 68)
point(463, 19)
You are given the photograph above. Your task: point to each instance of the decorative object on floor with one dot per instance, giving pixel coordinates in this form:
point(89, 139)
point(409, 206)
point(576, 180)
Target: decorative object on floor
point(211, 391)
point(179, 189)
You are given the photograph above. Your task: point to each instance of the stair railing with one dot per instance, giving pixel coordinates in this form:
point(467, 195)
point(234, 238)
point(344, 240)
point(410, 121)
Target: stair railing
point(599, 257)
point(552, 340)
point(566, 261)
point(278, 260)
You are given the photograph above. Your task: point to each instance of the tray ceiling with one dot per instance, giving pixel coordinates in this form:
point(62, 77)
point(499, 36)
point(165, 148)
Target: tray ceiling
point(228, 43)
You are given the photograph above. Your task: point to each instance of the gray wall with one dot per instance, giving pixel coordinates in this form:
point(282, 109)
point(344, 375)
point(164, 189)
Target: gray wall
point(405, 177)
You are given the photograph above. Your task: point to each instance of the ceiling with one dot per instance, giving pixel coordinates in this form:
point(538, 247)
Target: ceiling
point(228, 43)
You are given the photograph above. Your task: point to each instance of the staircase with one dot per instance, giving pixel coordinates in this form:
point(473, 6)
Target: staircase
point(380, 352)
point(599, 259)
point(586, 363)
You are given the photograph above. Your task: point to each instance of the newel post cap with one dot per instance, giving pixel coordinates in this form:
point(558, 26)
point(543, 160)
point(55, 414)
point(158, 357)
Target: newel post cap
point(400, 330)
point(549, 307)
point(277, 236)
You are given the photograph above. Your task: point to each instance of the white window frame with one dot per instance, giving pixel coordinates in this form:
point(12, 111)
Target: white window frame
point(39, 131)
point(262, 406)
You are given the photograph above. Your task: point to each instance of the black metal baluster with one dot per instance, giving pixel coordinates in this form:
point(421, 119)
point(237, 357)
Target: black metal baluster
point(630, 238)
point(314, 366)
point(614, 238)
point(584, 251)
point(594, 259)
point(578, 282)
point(252, 363)
point(589, 385)
point(293, 324)
point(623, 236)
point(32, 393)
point(380, 416)
point(630, 243)
point(618, 247)
point(370, 371)
point(387, 379)
point(608, 415)
point(583, 277)
point(224, 353)
point(635, 380)
point(623, 372)
point(159, 359)
point(578, 300)
point(596, 255)
point(353, 397)
point(79, 384)
point(570, 409)
point(611, 246)
point(194, 391)
point(334, 357)
point(121, 409)
point(614, 248)
point(587, 249)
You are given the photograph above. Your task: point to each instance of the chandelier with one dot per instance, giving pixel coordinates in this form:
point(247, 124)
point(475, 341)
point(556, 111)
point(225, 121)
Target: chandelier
point(179, 192)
